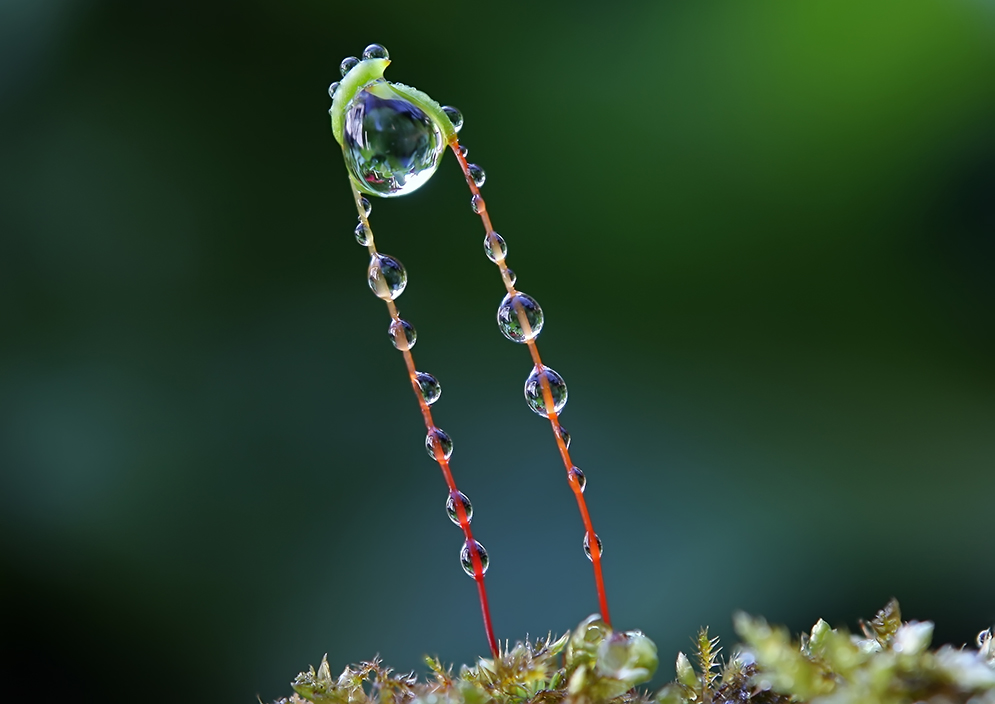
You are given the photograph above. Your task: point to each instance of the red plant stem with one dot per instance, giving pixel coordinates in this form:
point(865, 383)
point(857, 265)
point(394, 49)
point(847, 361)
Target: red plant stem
point(547, 394)
point(464, 521)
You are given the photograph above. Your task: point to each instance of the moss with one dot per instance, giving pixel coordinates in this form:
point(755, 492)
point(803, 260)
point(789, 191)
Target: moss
point(889, 663)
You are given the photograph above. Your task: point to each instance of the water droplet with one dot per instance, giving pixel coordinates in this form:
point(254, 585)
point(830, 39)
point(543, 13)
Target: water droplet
point(534, 395)
point(364, 203)
point(477, 174)
point(332, 88)
point(455, 116)
point(387, 277)
point(402, 334)
point(512, 276)
point(375, 51)
point(478, 204)
point(495, 247)
point(452, 510)
point(566, 436)
point(362, 234)
point(347, 64)
point(466, 559)
point(587, 546)
point(445, 443)
point(463, 150)
point(392, 147)
point(429, 387)
point(513, 309)
point(577, 474)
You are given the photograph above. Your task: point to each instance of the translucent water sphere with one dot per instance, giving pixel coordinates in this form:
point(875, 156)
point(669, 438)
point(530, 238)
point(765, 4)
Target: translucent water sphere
point(534, 395)
point(365, 205)
point(577, 474)
point(348, 63)
point(429, 387)
point(587, 546)
point(362, 234)
point(455, 116)
point(466, 559)
point(332, 88)
point(452, 510)
point(386, 276)
point(512, 276)
point(478, 205)
point(566, 438)
point(392, 147)
point(495, 247)
point(514, 308)
point(375, 51)
point(477, 174)
point(402, 334)
point(445, 443)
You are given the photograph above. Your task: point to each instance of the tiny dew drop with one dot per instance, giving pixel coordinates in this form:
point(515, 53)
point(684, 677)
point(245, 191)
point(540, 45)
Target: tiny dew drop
point(566, 438)
point(362, 234)
point(347, 64)
point(466, 557)
point(534, 395)
point(386, 276)
point(477, 174)
point(577, 474)
point(513, 309)
point(463, 150)
point(445, 443)
point(429, 387)
point(402, 334)
point(365, 205)
point(512, 276)
point(587, 546)
point(452, 510)
point(495, 247)
point(375, 51)
point(478, 205)
point(455, 116)
point(332, 88)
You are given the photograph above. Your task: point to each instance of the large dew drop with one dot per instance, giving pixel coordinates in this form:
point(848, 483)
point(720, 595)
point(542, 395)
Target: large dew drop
point(402, 334)
point(534, 392)
point(466, 558)
point(453, 511)
point(519, 317)
point(392, 147)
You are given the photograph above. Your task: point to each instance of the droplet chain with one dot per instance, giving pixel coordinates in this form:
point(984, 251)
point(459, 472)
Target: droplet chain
point(496, 250)
point(472, 555)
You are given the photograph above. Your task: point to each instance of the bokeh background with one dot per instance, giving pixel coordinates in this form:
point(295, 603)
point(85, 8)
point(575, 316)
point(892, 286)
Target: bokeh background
point(763, 235)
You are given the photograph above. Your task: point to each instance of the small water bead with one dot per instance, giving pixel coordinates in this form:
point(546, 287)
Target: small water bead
point(466, 557)
point(587, 546)
point(364, 203)
point(566, 438)
point(495, 247)
point(332, 88)
point(509, 321)
point(512, 276)
point(478, 204)
point(391, 146)
point(362, 234)
point(534, 396)
point(477, 174)
point(463, 150)
point(455, 116)
point(375, 51)
point(347, 64)
point(577, 474)
point(451, 508)
point(402, 334)
point(445, 443)
point(429, 387)
point(386, 276)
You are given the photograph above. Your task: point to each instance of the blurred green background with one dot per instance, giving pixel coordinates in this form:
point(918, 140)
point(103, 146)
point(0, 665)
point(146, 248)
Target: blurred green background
point(763, 235)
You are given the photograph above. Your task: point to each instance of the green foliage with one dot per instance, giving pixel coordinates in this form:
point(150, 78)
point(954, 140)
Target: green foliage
point(891, 663)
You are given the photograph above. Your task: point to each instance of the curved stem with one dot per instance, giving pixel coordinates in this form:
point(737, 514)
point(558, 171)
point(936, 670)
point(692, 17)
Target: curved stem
point(440, 458)
point(592, 539)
